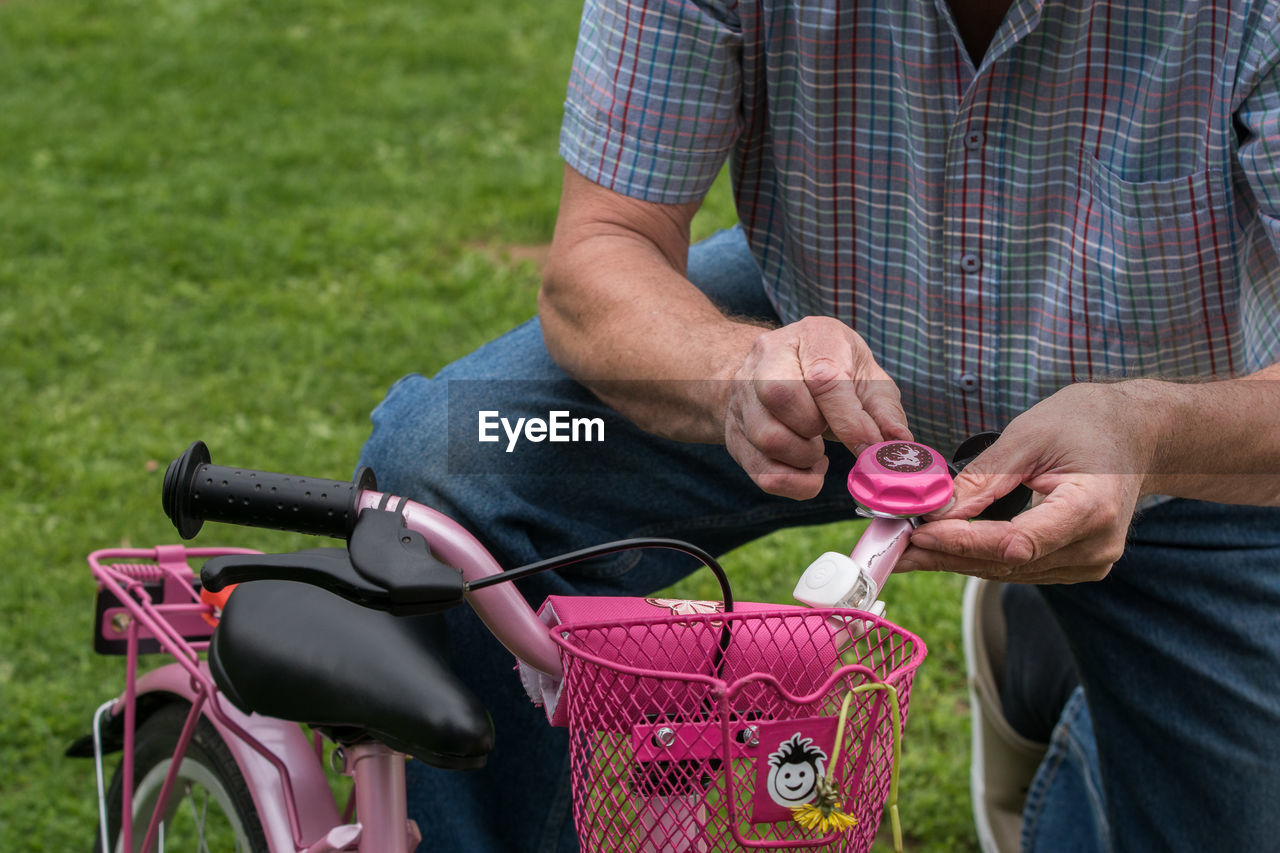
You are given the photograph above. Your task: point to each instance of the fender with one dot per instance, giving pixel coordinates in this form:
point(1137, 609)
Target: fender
point(317, 812)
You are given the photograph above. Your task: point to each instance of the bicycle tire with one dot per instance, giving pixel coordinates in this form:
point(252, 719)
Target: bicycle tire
point(208, 766)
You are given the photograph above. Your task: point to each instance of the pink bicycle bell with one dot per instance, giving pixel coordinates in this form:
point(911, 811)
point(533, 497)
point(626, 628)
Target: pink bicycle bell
point(893, 482)
point(899, 479)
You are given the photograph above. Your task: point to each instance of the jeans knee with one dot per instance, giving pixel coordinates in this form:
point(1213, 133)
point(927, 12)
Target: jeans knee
point(408, 445)
point(723, 268)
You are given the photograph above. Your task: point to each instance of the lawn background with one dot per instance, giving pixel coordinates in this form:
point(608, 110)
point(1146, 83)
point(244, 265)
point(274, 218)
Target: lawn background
point(241, 221)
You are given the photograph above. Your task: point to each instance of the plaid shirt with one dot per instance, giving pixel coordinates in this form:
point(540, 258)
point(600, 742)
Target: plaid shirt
point(1100, 197)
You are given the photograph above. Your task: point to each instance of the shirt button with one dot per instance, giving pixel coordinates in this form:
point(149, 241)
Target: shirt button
point(967, 382)
point(973, 140)
point(970, 262)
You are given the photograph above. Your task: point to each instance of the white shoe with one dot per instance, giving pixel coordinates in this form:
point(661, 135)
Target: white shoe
point(1004, 762)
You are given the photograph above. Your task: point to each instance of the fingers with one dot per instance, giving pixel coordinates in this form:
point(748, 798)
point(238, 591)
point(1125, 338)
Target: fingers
point(1066, 538)
point(883, 401)
point(773, 476)
point(780, 390)
point(780, 460)
point(801, 382)
point(774, 428)
point(1007, 544)
point(857, 400)
point(998, 470)
point(775, 439)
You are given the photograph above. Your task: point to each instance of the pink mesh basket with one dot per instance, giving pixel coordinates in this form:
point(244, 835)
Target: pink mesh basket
point(698, 731)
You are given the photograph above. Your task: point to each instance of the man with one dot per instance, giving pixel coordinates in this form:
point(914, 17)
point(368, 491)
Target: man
point(953, 219)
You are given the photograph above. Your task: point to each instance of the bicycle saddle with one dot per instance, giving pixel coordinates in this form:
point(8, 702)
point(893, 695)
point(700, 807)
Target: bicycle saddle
point(293, 651)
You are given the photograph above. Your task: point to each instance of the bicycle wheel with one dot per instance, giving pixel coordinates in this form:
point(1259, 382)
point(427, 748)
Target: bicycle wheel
point(209, 808)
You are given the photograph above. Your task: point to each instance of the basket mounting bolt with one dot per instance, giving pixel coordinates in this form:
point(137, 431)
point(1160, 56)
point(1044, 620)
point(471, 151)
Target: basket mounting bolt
point(664, 736)
point(120, 622)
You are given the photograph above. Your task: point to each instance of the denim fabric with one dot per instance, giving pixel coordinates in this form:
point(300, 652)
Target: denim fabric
point(1179, 650)
point(1179, 656)
point(1065, 808)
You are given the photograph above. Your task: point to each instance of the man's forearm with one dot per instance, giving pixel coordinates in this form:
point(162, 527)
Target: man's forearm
point(1219, 441)
point(619, 316)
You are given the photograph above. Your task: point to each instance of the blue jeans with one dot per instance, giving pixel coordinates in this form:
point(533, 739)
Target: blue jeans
point(540, 500)
point(1178, 747)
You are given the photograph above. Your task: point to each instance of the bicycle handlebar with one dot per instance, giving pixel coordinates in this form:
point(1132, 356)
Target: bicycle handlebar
point(196, 491)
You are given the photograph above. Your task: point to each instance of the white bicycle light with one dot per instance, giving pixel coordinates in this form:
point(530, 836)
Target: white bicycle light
point(834, 580)
point(830, 581)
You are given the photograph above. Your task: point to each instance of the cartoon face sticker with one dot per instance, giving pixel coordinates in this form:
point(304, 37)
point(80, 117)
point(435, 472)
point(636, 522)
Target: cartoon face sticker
point(903, 457)
point(794, 769)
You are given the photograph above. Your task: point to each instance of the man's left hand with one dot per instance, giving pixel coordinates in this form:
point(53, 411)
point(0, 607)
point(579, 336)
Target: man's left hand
point(1085, 452)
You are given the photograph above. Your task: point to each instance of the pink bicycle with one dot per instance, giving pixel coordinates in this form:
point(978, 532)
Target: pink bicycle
point(694, 726)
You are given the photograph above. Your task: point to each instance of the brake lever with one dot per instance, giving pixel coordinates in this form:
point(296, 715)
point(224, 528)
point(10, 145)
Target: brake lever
point(386, 566)
point(327, 568)
point(389, 555)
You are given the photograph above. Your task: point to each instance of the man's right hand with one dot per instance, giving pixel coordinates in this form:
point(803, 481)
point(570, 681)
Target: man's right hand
point(797, 384)
point(616, 305)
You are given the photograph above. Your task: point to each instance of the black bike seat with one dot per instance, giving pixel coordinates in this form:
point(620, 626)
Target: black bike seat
point(293, 651)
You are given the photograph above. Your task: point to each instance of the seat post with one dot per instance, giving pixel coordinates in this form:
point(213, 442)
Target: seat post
point(381, 809)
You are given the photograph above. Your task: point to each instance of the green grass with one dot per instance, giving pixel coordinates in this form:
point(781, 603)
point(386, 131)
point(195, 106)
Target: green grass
point(241, 222)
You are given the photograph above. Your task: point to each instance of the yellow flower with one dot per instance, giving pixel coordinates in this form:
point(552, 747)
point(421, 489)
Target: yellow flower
point(822, 818)
point(824, 814)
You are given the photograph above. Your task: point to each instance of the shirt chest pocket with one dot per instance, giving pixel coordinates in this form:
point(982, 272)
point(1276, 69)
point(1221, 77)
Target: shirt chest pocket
point(1157, 261)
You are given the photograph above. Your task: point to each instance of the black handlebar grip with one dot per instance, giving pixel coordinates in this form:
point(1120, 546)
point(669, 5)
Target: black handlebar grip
point(196, 491)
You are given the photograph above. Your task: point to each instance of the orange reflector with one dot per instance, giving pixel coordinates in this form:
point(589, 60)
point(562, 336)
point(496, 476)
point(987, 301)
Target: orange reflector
point(216, 600)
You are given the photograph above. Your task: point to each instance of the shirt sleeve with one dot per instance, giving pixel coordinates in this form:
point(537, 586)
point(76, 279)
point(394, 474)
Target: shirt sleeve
point(653, 105)
point(1257, 117)
point(1258, 114)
